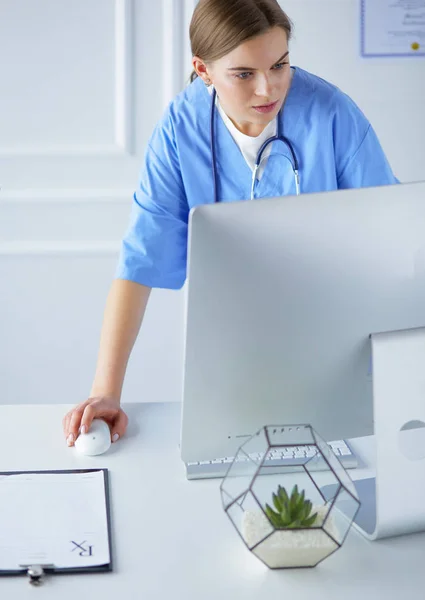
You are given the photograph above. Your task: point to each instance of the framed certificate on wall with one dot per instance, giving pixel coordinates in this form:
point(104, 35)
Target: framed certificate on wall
point(393, 28)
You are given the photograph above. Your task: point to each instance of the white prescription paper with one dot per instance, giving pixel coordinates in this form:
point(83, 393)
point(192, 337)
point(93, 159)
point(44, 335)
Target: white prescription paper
point(393, 27)
point(53, 518)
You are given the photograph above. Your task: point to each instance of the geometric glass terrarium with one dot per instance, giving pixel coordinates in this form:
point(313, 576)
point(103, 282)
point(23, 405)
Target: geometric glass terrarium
point(286, 514)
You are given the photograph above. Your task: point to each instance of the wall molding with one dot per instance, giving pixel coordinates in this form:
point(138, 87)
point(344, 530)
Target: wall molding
point(63, 222)
point(176, 16)
point(124, 70)
point(189, 6)
point(123, 144)
point(171, 68)
point(78, 196)
point(22, 248)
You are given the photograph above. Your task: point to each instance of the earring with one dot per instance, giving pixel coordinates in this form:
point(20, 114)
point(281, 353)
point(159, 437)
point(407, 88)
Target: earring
point(208, 81)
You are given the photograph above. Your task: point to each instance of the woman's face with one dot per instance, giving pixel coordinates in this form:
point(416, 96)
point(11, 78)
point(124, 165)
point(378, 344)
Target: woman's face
point(252, 81)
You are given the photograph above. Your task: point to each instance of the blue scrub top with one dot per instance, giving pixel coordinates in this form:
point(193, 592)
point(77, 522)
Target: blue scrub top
point(335, 145)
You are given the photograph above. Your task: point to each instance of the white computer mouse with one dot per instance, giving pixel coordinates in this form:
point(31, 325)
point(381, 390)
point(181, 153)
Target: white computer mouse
point(96, 441)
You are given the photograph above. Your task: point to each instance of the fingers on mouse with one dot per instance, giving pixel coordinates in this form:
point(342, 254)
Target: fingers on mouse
point(96, 441)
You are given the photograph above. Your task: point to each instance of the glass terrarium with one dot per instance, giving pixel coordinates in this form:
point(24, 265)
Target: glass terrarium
point(289, 515)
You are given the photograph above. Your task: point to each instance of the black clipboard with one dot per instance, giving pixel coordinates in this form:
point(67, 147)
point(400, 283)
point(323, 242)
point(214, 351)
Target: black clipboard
point(36, 572)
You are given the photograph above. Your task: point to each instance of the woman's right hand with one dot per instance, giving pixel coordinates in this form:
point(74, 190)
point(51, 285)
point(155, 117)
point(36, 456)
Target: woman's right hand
point(79, 419)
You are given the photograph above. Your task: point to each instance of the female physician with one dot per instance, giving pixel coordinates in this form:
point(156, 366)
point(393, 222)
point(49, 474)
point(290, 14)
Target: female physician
point(248, 126)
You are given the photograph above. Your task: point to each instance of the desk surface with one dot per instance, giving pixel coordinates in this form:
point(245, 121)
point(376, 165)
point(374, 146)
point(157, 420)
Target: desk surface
point(171, 538)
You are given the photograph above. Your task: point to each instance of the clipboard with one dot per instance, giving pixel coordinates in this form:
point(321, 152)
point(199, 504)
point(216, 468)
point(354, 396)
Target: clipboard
point(36, 571)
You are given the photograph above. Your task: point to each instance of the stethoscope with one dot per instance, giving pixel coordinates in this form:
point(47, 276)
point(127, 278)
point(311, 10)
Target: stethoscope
point(279, 138)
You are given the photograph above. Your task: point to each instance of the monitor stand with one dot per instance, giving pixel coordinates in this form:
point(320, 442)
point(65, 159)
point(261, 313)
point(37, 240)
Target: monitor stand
point(393, 503)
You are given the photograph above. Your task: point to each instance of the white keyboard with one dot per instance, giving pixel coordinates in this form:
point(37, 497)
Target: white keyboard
point(275, 460)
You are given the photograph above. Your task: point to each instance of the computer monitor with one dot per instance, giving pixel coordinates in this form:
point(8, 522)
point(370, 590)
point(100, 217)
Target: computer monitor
point(282, 297)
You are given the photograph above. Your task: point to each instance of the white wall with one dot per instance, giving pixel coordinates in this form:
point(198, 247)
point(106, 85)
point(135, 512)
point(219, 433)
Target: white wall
point(83, 85)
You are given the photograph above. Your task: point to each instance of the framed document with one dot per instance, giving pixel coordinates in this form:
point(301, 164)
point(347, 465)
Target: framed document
point(393, 28)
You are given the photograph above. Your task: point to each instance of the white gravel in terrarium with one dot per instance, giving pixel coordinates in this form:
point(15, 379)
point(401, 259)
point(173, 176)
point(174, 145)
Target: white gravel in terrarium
point(289, 548)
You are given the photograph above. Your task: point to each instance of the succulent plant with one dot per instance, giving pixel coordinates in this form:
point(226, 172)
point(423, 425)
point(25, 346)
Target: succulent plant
point(291, 511)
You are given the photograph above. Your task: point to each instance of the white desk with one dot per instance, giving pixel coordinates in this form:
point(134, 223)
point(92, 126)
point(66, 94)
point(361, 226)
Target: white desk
point(171, 538)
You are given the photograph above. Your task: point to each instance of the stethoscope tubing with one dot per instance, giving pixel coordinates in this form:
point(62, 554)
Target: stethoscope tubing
point(279, 137)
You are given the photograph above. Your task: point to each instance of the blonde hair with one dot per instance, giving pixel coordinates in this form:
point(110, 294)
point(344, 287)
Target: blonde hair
point(220, 26)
